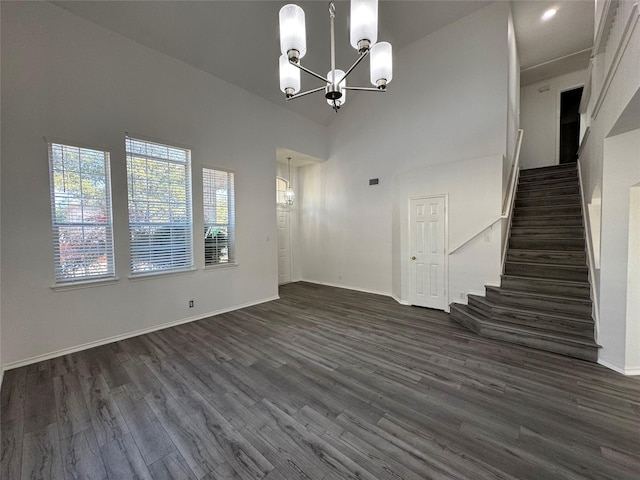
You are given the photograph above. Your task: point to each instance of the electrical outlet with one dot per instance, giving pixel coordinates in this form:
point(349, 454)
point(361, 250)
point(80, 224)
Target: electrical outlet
point(339, 276)
point(190, 303)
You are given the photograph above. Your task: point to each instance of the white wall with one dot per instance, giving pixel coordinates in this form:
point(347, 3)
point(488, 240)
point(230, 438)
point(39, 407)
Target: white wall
point(446, 103)
point(66, 78)
point(513, 104)
point(474, 203)
point(621, 170)
point(610, 164)
point(633, 281)
point(539, 118)
point(1, 364)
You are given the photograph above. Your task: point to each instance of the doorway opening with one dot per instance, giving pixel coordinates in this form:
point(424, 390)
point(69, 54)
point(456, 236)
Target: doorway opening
point(569, 125)
point(284, 231)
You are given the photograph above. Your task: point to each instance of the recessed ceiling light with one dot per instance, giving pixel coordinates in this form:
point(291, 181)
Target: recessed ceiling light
point(549, 14)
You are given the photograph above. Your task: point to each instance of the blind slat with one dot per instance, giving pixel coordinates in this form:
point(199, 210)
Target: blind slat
point(160, 219)
point(219, 216)
point(81, 213)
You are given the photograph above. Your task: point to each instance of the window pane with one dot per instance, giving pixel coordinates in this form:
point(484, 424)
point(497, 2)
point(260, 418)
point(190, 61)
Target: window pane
point(219, 216)
point(81, 213)
point(281, 188)
point(160, 223)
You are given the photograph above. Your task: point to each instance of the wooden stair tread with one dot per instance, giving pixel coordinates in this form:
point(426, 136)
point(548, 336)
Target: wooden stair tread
point(547, 243)
point(546, 179)
point(556, 215)
point(544, 296)
point(546, 210)
point(538, 255)
point(549, 265)
point(549, 168)
point(576, 195)
point(529, 311)
point(551, 228)
point(560, 282)
point(550, 335)
point(551, 188)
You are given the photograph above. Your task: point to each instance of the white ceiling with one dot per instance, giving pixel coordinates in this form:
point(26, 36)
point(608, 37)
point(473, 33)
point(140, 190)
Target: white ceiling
point(557, 46)
point(237, 41)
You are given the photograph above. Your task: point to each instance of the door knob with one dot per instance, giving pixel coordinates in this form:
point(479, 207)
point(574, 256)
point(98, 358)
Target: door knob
point(413, 258)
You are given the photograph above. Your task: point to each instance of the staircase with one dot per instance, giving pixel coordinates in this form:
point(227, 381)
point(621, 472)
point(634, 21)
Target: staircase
point(544, 298)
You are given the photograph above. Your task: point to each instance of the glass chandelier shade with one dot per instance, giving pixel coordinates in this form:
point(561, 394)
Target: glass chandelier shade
point(289, 196)
point(337, 77)
point(289, 77)
point(293, 34)
point(381, 63)
point(364, 22)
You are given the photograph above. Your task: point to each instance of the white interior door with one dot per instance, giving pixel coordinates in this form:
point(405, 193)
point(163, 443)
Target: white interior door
point(427, 252)
point(284, 244)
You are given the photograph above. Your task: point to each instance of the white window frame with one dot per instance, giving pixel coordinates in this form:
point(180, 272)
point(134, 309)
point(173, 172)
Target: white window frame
point(223, 254)
point(150, 254)
point(80, 267)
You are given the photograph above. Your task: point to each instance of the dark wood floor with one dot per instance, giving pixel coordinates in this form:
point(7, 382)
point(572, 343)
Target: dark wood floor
point(322, 384)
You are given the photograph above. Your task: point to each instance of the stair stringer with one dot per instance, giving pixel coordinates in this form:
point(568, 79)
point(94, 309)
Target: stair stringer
point(595, 294)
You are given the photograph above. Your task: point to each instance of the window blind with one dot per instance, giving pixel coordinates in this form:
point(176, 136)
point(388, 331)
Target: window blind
point(80, 186)
point(219, 216)
point(160, 220)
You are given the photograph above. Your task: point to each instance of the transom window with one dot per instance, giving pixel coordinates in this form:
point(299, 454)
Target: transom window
point(81, 213)
point(281, 190)
point(160, 220)
point(219, 216)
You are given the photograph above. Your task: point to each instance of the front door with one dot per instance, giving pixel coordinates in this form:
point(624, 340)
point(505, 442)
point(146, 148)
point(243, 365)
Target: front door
point(284, 244)
point(427, 252)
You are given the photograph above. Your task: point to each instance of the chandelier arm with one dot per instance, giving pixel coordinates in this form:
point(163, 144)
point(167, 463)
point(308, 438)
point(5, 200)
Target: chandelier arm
point(308, 92)
point(355, 64)
point(310, 72)
point(365, 89)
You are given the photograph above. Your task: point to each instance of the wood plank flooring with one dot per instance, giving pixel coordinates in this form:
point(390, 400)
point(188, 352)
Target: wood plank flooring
point(323, 384)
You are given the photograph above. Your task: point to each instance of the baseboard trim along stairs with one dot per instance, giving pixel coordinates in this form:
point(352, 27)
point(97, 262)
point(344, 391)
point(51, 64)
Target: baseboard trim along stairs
point(543, 300)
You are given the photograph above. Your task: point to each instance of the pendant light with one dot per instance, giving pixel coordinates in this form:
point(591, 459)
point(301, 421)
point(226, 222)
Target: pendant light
point(289, 195)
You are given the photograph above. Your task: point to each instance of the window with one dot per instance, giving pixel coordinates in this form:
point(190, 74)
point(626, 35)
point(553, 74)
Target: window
point(160, 225)
point(219, 216)
point(81, 213)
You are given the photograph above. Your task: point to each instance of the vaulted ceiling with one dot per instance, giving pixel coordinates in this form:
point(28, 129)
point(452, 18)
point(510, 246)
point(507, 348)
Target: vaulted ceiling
point(237, 41)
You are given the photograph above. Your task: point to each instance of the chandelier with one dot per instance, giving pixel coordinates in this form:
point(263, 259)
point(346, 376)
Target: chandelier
point(289, 195)
point(363, 33)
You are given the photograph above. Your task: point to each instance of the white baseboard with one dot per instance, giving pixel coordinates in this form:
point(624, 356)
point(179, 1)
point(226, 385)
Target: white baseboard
point(124, 336)
point(399, 300)
point(348, 287)
point(477, 293)
point(622, 370)
point(459, 301)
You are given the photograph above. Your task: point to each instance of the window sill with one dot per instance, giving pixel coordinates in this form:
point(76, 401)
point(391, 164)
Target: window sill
point(63, 287)
point(168, 273)
point(221, 266)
